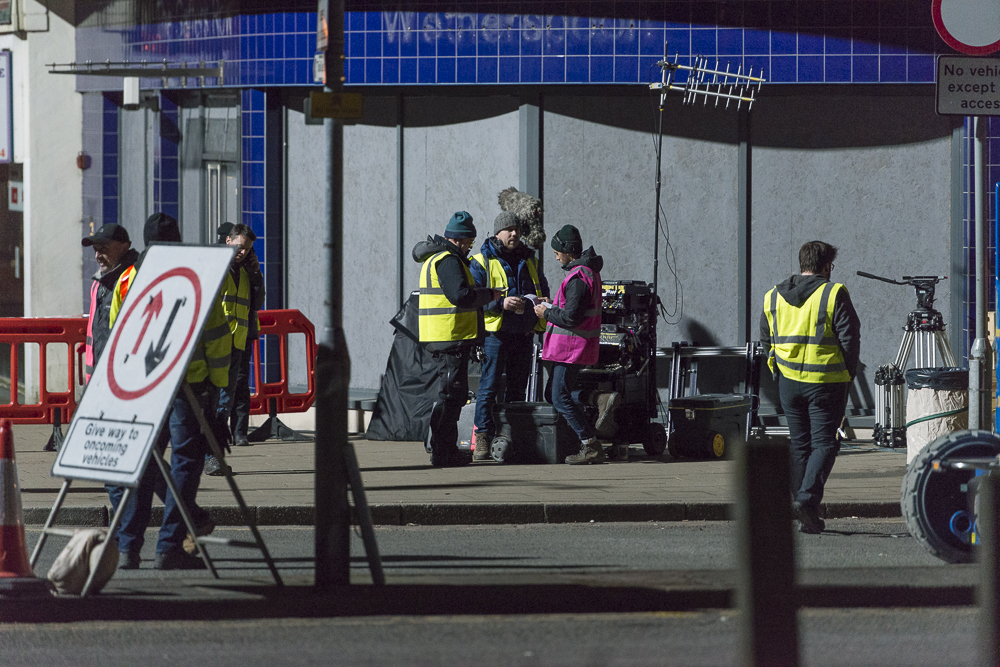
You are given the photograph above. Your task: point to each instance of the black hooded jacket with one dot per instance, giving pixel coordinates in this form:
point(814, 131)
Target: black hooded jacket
point(846, 324)
point(101, 329)
point(452, 278)
point(578, 295)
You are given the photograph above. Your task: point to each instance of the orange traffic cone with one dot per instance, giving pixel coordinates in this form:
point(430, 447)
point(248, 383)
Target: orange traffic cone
point(13, 547)
point(16, 577)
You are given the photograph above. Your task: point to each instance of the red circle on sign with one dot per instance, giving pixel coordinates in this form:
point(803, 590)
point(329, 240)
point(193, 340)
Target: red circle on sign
point(125, 394)
point(952, 41)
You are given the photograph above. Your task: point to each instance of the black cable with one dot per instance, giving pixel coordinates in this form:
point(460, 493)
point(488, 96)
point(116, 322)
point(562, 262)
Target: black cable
point(675, 314)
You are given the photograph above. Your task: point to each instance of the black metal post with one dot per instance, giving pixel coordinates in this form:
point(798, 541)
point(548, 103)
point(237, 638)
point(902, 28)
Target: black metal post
point(767, 596)
point(744, 293)
point(333, 364)
point(988, 553)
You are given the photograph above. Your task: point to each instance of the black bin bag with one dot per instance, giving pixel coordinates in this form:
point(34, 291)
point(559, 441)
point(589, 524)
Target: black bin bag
point(410, 384)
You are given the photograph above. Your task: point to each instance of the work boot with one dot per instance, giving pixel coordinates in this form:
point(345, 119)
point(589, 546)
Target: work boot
point(809, 521)
point(590, 452)
point(606, 405)
point(483, 441)
point(216, 468)
point(451, 459)
point(178, 560)
point(129, 560)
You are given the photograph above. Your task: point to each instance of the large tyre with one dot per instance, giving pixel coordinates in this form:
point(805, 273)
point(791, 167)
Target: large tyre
point(654, 440)
point(930, 499)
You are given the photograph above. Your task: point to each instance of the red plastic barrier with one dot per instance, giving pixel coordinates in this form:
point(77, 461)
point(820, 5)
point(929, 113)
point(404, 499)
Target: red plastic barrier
point(283, 323)
point(43, 331)
point(72, 331)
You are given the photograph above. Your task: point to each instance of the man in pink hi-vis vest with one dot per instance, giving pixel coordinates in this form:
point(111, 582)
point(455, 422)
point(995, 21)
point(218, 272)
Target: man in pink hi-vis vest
point(572, 336)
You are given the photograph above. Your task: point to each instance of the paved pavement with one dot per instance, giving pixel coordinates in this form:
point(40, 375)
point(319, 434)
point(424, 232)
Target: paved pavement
point(276, 479)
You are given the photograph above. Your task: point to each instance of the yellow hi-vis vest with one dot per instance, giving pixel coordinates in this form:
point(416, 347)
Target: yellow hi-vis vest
point(121, 291)
point(440, 320)
point(211, 354)
point(498, 280)
point(803, 343)
point(236, 304)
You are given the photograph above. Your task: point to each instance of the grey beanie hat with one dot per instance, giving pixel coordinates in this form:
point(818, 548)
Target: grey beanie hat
point(505, 220)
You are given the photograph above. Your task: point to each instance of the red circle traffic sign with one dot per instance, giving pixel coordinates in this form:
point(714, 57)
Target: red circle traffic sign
point(967, 25)
point(129, 395)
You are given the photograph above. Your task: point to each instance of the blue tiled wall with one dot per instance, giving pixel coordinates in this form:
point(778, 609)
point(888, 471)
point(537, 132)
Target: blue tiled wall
point(991, 167)
point(166, 176)
point(267, 228)
point(793, 41)
point(109, 160)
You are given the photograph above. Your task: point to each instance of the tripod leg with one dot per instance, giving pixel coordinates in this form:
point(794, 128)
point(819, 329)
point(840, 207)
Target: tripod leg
point(922, 353)
point(904, 350)
point(944, 347)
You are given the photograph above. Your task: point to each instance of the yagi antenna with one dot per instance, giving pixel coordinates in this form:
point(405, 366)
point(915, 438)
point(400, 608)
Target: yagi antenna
point(706, 81)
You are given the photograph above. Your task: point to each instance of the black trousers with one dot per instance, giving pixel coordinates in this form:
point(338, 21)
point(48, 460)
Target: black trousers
point(239, 418)
point(814, 413)
point(453, 370)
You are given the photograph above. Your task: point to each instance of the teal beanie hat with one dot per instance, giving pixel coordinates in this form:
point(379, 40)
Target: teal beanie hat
point(460, 227)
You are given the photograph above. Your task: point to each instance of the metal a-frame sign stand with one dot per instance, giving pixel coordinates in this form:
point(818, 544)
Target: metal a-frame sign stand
point(114, 430)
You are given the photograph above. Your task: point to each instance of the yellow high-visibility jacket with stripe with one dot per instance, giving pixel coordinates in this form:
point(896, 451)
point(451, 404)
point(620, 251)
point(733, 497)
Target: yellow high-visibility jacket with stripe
point(211, 355)
point(497, 278)
point(439, 319)
point(236, 304)
point(804, 345)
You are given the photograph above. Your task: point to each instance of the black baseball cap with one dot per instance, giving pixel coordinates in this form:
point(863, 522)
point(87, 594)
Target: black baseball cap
point(108, 232)
point(224, 230)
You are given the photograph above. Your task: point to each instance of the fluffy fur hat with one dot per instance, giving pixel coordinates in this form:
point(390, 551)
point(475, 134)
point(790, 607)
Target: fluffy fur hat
point(528, 209)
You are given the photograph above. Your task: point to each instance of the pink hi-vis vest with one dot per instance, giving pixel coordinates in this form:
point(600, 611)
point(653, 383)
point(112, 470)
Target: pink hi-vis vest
point(580, 345)
point(89, 356)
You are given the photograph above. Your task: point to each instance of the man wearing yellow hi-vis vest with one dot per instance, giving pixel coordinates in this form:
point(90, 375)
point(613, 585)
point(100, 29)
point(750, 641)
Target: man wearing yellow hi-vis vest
point(507, 264)
point(451, 325)
point(815, 338)
point(242, 296)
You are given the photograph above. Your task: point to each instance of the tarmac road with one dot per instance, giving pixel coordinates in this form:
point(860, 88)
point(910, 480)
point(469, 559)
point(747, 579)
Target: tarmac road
point(841, 638)
point(557, 548)
point(581, 571)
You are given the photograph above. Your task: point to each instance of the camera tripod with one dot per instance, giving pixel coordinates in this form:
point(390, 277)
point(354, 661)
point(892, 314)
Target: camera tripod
point(924, 330)
point(923, 336)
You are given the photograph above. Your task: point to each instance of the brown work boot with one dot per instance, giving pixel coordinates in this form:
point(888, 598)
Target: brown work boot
point(607, 403)
point(483, 442)
point(590, 452)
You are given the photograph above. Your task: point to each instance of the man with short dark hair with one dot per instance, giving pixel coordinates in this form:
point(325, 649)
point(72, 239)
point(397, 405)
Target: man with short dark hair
point(243, 295)
point(815, 338)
